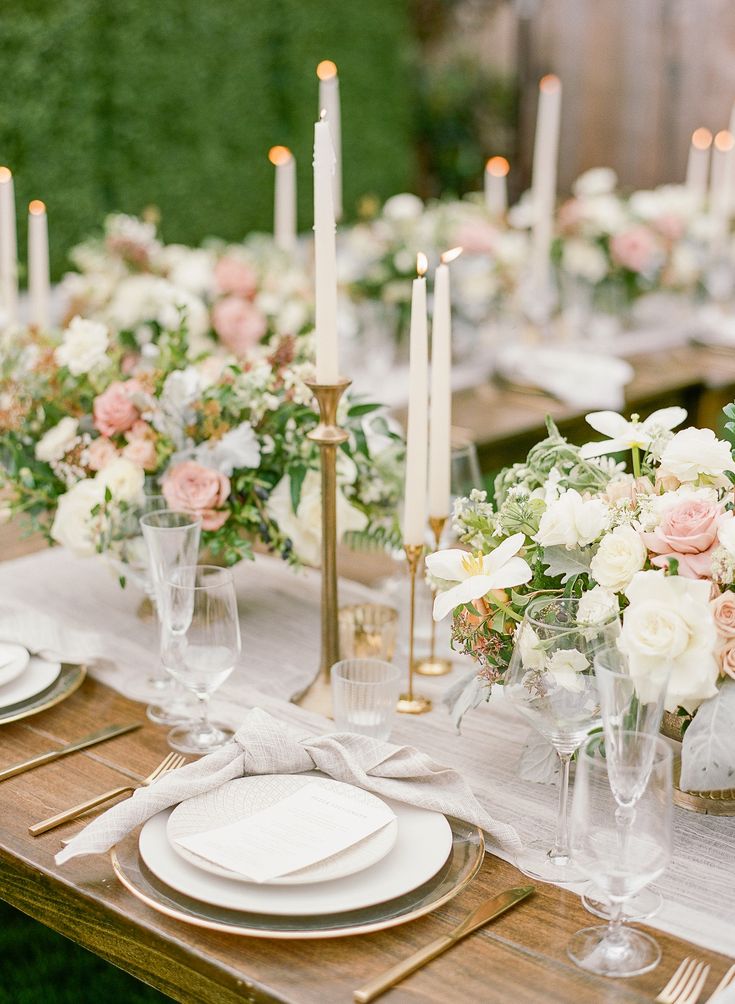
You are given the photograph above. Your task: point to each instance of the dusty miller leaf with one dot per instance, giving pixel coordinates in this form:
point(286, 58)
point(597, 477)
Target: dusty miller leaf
point(567, 562)
point(463, 696)
point(708, 749)
point(538, 760)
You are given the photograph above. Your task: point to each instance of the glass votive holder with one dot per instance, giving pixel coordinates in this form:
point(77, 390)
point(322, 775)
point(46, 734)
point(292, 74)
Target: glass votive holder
point(368, 631)
point(364, 696)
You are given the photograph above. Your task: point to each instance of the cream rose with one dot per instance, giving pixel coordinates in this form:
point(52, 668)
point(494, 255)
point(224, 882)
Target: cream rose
point(726, 657)
point(124, 479)
point(596, 605)
point(697, 455)
point(669, 622)
point(73, 525)
point(55, 443)
point(572, 521)
point(723, 611)
point(620, 555)
point(84, 346)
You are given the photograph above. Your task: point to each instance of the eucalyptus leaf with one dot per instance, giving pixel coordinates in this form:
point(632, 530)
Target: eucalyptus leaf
point(463, 696)
point(708, 748)
point(538, 760)
point(296, 482)
point(567, 562)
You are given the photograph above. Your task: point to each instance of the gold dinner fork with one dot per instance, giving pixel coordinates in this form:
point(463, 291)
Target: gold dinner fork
point(685, 986)
point(170, 762)
point(725, 982)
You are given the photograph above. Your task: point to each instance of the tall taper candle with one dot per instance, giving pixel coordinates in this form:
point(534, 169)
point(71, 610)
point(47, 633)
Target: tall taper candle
point(414, 517)
point(545, 156)
point(496, 186)
point(440, 409)
point(721, 186)
point(325, 257)
point(329, 102)
point(284, 200)
point(39, 287)
point(698, 164)
point(8, 250)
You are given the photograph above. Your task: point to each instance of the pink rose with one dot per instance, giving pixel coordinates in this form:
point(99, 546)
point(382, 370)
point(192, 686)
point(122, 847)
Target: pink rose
point(627, 489)
point(688, 532)
point(635, 248)
point(726, 658)
point(670, 226)
point(114, 410)
point(235, 276)
point(194, 488)
point(141, 452)
point(723, 611)
point(238, 323)
point(100, 453)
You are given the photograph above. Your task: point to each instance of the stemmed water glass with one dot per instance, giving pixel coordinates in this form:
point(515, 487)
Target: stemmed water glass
point(551, 681)
point(202, 644)
point(465, 471)
point(629, 704)
point(172, 541)
point(621, 840)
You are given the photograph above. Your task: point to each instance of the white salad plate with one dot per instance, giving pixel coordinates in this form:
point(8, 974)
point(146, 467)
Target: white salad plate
point(37, 676)
point(13, 660)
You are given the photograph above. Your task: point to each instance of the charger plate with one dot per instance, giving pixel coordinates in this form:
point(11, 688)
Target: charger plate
point(464, 861)
point(68, 680)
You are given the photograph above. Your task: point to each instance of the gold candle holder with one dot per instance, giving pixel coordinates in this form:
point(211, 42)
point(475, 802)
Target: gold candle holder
point(329, 436)
point(410, 703)
point(432, 666)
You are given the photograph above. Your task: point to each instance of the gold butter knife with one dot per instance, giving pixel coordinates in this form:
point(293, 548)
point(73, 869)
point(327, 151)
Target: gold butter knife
point(490, 909)
point(96, 737)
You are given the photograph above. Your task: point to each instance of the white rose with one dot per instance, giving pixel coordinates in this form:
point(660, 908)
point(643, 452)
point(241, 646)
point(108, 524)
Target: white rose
point(583, 259)
point(124, 479)
point(596, 181)
point(84, 346)
point(72, 526)
point(572, 521)
point(532, 655)
point(726, 533)
point(620, 555)
point(669, 622)
point(695, 454)
point(304, 527)
point(596, 605)
point(54, 444)
point(566, 666)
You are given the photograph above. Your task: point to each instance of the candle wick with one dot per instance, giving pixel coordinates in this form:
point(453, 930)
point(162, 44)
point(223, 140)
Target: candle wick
point(323, 115)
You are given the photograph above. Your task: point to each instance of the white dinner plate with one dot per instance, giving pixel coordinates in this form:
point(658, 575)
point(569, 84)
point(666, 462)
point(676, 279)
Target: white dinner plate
point(421, 849)
point(13, 660)
point(243, 796)
point(39, 675)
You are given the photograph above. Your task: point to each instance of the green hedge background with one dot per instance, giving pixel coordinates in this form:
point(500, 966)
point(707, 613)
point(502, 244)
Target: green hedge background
point(121, 104)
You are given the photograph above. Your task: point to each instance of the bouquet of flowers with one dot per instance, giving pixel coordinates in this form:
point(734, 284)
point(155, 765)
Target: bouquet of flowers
point(88, 426)
point(656, 542)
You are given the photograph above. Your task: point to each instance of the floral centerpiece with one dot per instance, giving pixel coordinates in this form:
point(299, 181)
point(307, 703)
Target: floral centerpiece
point(656, 541)
point(88, 425)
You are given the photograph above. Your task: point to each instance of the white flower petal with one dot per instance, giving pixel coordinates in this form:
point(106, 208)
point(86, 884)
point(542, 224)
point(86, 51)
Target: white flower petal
point(448, 564)
point(602, 448)
point(609, 423)
point(667, 418)
point(513, 573)
point(494, 561)
point(471, 589)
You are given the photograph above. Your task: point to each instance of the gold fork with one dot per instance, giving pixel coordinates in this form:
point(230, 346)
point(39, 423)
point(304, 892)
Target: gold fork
point(685, 986)
point(724, 983)
point(170, 762)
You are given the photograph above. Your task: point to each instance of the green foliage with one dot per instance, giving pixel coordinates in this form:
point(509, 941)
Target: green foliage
point(118, 106)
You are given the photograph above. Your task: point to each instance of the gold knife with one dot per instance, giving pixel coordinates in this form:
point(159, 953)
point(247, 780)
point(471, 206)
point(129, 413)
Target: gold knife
point(490, 909)
point(96, 737)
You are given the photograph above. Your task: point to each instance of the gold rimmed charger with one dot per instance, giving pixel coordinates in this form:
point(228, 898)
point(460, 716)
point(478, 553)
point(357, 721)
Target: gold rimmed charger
point(462, 865)
point(70, 678)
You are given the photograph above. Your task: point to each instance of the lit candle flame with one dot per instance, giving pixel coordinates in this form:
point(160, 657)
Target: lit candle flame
point(724, 140)
point(422, 263)
point(702, 139)
point(5, 175)
point(326, 70)
point(498, 167)
point(279, 155)
point(549, 83)
point(36, 208)
point(451, 255)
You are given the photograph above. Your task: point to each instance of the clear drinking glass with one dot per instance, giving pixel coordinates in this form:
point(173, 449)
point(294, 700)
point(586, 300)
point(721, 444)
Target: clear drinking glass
point(368, 631)
point(465, 470)
point(172, 541)
point(364, 696)
point(621, 847)
point(202, 645)
point(551, 681)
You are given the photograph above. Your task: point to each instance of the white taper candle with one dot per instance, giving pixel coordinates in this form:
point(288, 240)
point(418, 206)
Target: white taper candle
point(284, 199)
point(496, 186)
point(8, 250)
point(329, 101)
point(417, 446)
point(440, 408)
point(698, 164)
point(39, 285)
point(545, 157)
point(325, 257)
point(721, 186)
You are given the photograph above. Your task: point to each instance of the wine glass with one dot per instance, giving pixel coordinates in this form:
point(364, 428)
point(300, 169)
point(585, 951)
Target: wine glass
point(172, 540)
point(201, 647)
point(465, 471)
point(621, 847)
point(551, 681)
point(635, 705)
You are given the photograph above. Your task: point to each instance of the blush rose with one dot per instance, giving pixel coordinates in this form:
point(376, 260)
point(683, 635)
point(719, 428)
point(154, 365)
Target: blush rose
point(194, 488)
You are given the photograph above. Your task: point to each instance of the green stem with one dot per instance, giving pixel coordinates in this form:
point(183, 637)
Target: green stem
point(505, 608)
point(636, 461)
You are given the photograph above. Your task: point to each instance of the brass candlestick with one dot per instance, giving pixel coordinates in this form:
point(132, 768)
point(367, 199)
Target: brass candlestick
point(410, 703)
point(329, 436)
point(434, 666)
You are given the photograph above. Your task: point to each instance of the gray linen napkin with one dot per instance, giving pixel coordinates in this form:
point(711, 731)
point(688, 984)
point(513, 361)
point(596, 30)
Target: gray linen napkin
point(263, 745)
point(45, 635)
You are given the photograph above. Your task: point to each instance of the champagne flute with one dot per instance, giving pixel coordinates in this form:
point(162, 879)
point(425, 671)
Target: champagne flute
point(551, 681)
point(621, 847)
point(172, 540)
point(201, 647)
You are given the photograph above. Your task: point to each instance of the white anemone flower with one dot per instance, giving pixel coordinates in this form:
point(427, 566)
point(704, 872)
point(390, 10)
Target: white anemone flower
point(477, 574)
point(627, 435)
